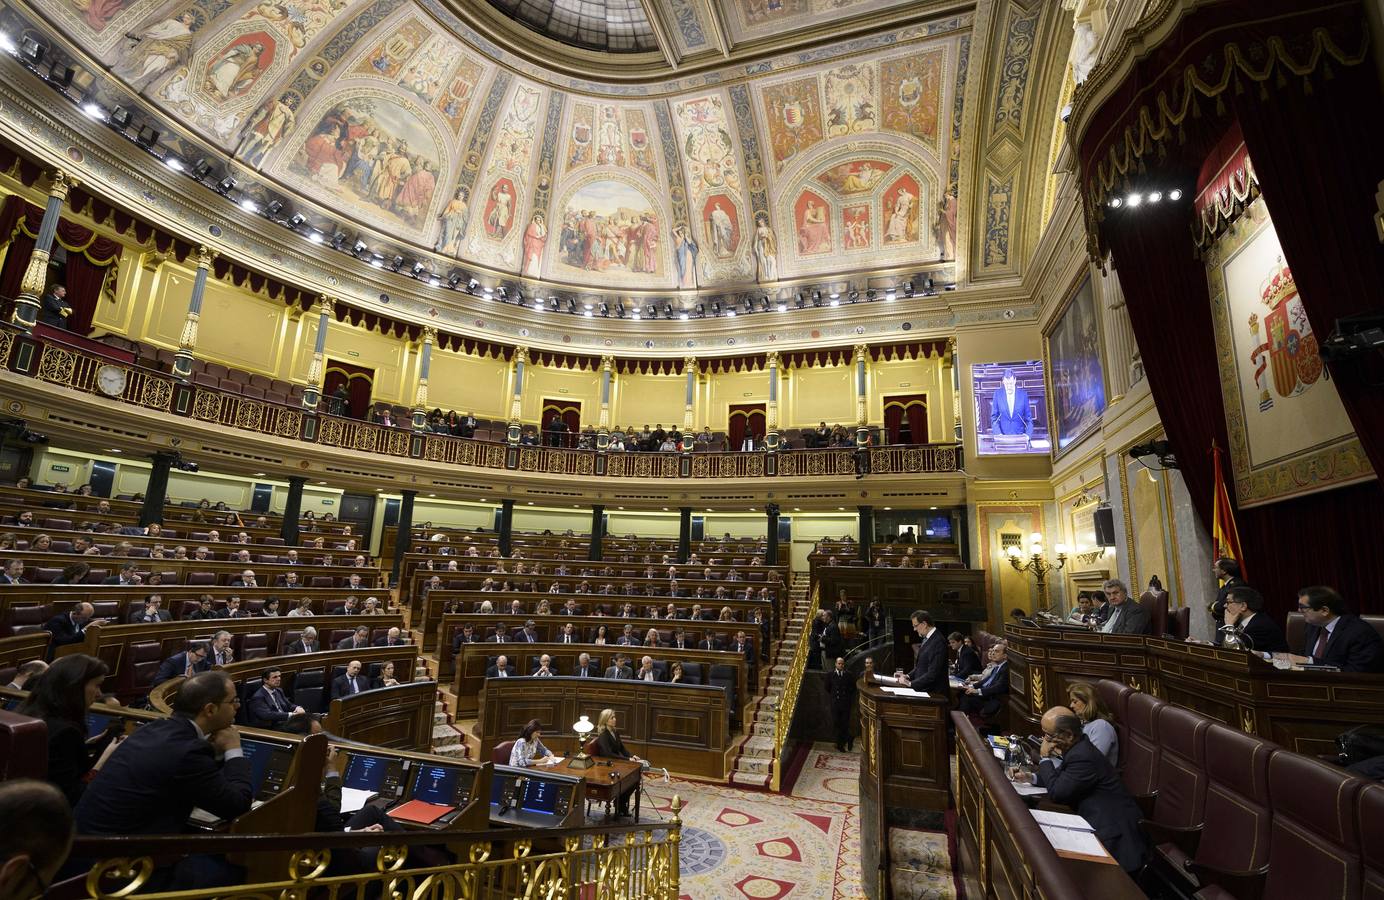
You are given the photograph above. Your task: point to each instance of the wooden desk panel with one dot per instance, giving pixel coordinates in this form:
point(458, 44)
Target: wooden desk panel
point(951, 595)
point(399, 717)
point(684, 729)
point(21, 648)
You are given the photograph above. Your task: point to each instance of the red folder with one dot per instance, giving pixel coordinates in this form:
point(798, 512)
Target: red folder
point(420, 811)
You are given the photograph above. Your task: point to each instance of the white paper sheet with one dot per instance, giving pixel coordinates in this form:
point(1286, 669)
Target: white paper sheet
point(905, 692)
point(354, 799)
point(1061, 820)
point(1084, 842)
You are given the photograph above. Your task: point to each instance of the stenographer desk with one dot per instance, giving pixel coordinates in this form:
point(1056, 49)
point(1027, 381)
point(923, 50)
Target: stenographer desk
point(1302, 710)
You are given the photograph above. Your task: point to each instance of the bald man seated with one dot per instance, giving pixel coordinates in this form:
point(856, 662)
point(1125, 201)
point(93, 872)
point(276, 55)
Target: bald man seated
point(1090, 785)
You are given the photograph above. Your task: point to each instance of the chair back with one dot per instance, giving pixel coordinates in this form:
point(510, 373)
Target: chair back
point(23, 747)
point(500, 754)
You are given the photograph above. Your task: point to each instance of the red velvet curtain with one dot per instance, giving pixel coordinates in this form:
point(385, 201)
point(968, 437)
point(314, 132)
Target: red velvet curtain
point(16, 261)
point(745, 418)
point(894, 408)
point(84, 280)
point(1320, 158)
point(359, 381)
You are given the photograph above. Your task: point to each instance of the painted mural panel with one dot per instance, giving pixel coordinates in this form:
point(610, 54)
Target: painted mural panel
point(855, 226)
point(747, 19)
point(374, 152)
point(505, 182)
point(793, 118)
point(1076, 368)
point(610, 228)
point(911, 94)
point(811, 214)
point(387, 58)
point(851, 104)
point(712, 246)
point(606, 134)
point(721, 225)
point(856, 177)
point(899, 211)
point(102, 25)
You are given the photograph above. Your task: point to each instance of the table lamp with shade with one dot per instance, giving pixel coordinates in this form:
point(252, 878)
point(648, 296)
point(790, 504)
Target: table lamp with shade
point(580, 760)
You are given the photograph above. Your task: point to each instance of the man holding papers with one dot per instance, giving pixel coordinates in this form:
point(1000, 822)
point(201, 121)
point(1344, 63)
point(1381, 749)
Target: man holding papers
point(1089, 784)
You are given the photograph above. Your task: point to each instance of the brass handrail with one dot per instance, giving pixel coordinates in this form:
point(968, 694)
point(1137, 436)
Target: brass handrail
point(788, 700)
point(73, 367)
point(630, 861)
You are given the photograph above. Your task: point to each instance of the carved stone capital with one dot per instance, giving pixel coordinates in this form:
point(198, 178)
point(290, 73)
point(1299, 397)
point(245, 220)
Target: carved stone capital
point(326, 305)
point(205, 257)
point(521, 355)
point(60, 184)
point(429, 334)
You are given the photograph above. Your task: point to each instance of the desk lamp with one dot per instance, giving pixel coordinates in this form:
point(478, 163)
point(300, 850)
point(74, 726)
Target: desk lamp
point(583, 727)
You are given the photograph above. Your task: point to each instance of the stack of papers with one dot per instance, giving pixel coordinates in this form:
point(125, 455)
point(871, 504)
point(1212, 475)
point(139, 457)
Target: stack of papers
point(354, 799)
point(901, 691)
point(1072, 836)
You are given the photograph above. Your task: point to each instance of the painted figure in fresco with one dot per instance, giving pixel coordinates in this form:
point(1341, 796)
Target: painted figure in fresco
point(501, 211)
point(857, 226)
point(685, 256)
point(900, 217)
point(235, 70)
point(814, 236)
point(722, 230)
point(765, 249)
point(415, 193)
point(163, 46)
point(946, 227)
point(535, 238)
point(265, 129)
point(98, 13)
point(453, 219)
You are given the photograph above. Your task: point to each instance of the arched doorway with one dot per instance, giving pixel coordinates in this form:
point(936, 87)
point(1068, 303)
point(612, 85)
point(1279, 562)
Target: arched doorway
point(746, 419)
point(569, 411)
point(895, 408)
point(360, 387)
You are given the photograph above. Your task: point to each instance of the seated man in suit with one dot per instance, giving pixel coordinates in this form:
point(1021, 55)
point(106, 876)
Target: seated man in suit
point(620, 668)
point(155, 777)
point(709, 642)
point(270, 707)
point(1244, 611)
point(359, 639)
point(679, 640)
point(929, 673)
point(1090, 785)
point(544, 669)
point(568, 635)
point(245, 579)
point(1334, 637)
point(13, 573)
point(467, 635)
point(528, 634)
point(500, 636)
point(392, 638)
point(967, 659)
point(127, 576)
point(741, 644)
point(308, 643)
point(70, 627)
point(628, 638)
point(221, 652)
point(986, 697)
point(501, 668)
point(350, 681)
point(585, 668)
point(1126, 616)
point(190, 662)
point(646, 670)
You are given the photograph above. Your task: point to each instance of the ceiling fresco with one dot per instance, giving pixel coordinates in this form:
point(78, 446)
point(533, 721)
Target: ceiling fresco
point(378, 113)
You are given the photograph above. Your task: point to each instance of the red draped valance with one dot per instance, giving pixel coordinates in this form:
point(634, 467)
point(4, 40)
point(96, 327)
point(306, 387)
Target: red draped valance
point(1227, 183)
point(17, 215)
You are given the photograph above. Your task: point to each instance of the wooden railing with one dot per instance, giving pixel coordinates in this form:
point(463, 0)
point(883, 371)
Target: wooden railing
point(792, 684)
point(76, 368)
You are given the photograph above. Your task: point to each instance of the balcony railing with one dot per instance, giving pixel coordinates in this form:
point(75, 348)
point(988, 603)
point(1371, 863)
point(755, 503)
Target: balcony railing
point(78, 368)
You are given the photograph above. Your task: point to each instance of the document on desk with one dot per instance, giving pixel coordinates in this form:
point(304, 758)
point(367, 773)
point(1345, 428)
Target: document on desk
point(1029, 790)
point(556, 760)
point(1072, 836)
point(886, 679)
point(904, 692)
point(354, 799)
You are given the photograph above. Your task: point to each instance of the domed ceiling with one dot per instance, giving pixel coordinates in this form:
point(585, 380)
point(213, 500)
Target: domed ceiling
point(402, 117)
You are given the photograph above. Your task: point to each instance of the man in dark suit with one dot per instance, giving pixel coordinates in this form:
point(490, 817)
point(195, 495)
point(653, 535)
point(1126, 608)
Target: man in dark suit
point(14, 572)
point(192, 661)
point(620, 668)
point(967, 659)
point(543, 668)
point(586, 668)
point(569, 634)
point(127, 575)
point(1244, 611)
point(359, 639)
point(1090, 785)
point(70, 627)
point(1009, 412)
point(528, 634)
point(54, 308)
point(1126, 616)
point(153, 779)
point(833, 645)
point(270, 707)
point(987, 696)
point(679, 641)
point(814, 647)
point(840, 686)
point(308, 643)
point(392, 638)
point(1334, 637)
point(1227, 571)
point(499, 637)
point(501, 668)
point(710, 642)
point(350, 682)
point(741, 644)
point(628, 638)
point(930, 671)
point(467, 635)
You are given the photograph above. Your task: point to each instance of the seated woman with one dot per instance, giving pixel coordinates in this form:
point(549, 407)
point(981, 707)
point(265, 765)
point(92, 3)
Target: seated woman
point(608, 744)
point(1095, 719)
point(528, 749)
point(600, 635)
point(385, 678)
point(675, 675)
point(61, 697)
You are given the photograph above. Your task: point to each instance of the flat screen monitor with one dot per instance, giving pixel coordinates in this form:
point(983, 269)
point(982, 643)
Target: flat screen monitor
point(541, 796)
point(443, 785)
point(376, 774)
point(269, 765)
point(499, 786)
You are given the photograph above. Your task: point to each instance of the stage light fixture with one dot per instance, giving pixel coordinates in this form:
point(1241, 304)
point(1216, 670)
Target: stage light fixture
point(93, 110)
point(553, 303)
point(605, 310)
point(359, 247)
point(1116, 203)
point(1175, 195)
point(571, 305)
point(587, 313)
point(651, 311)
point(730, 314)
point(7, 43)
point(1155, 196)
point(296, 219)
point(377, 261)
point(816, 298)
point(853, 297)
point(764, 303)
point(62, 77)
point(800, 301)
point(120, 117)
point(418, 270)
point(701, 310)
point(31, 49)
point(471, 286)
point(225, 185)
point(174, 162)
point(1134, 200)
point(249, 205)
point(338, 240)
point(454, 280)
point(315, 236)
point(502, 293)
point(538, 303)
point(619, 309)
point(518, 297)
point(275, 207)
point(201, 168)
point(889, 295)
point(782, 307)
point(147, 137)
point(396, 263)
point(715, 307)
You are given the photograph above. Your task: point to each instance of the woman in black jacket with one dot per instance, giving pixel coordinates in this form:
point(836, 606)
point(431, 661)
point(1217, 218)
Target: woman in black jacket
point(608, 744)
point(61, 698)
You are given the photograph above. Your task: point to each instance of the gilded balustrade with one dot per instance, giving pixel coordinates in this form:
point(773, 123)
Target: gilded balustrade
point(792, 685)
point(76, 369)
point(608, 863)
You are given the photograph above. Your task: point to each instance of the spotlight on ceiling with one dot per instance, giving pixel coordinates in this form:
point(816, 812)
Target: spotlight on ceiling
point(275, 207)
point(764, 303)
point(225, 185)
point(853, 296)
point(928, 287)
point(1155, 196)
point(605, 310)
point(7, 43)
point(249, 205)
point(730, 313)
point(890, 294)
point(120, 118)
point(31, 49)
point(315, 236)
point(359, 247)
point(835, 300)
point(93, 110)
point(571, 305)
point(715, 307)
point(503, 294)
point(338, 240)
point(200, 169)
point(816, 298)
point(396, 263)
point(377, 260)
point(62, 76)
point(296, 219)
point(538, 303)
point(651, 311)
point(871, 295)
point(667, 310)
point(908, 288)
point(701, 310)
point(749, 304)
point(1134, 200)
point(147, 137)
point(619, 309)
point(782, 307)
point(454, 280)
point(683, 316)
point(418, 270)
point(800, 300)
point(1116, 203)
point(518, 297)
point(174, 162)
point(553, 303)
point(471, 285)
point(1175, 195)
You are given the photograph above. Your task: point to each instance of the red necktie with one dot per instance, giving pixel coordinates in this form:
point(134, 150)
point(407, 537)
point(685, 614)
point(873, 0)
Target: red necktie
point(1320, 650)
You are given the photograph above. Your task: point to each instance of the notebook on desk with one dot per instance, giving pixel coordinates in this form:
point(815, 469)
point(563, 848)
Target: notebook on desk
point(420, 812)
point(1072, 836)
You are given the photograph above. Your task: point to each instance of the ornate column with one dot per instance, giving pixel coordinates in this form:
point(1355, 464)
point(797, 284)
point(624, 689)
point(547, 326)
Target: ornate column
point(771, 530)
point(516, 405)
point(293, 510)
point(187, 342)
point(689, 412)
point(603, 420)
point(862, 417)
point(866, 535)
point(420, 397)
point(950, 364)
point(1126, 368)
point(312, 394)
point(26, 305)
point(684, 534)
point(403, 537)
point(771, 435)
point(156, 491)
point(506, 527)
point(593, 550)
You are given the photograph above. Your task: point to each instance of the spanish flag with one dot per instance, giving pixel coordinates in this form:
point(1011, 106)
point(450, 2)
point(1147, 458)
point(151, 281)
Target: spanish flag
point(1225, 538)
